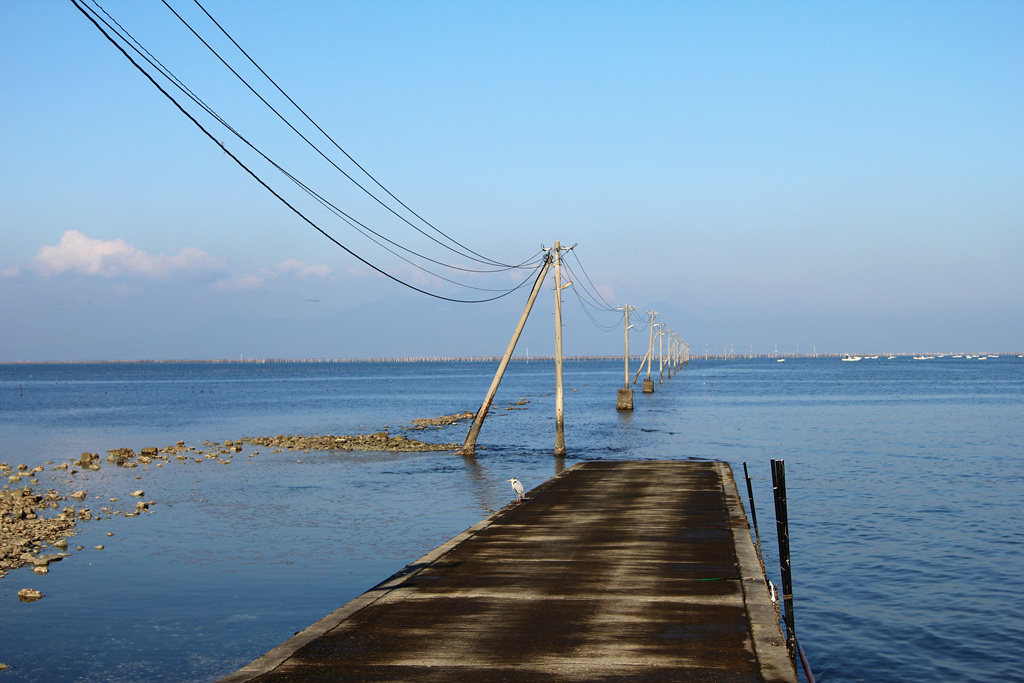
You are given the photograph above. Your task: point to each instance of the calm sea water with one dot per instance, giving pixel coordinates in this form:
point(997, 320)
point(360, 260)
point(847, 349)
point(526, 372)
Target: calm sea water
point(905, 483)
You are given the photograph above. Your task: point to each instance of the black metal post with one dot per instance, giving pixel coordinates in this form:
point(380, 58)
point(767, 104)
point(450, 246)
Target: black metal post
point(782, 527)
point(753, 511)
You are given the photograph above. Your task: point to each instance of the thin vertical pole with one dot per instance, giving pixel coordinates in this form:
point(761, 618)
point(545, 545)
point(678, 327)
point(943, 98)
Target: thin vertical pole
point(650, 347)
point(661, 353)
point(671, 336)
point(469, 447)
point(624, 401)
point(782, 528)
point(626, 383)
point(753, 510)
point(559, 413)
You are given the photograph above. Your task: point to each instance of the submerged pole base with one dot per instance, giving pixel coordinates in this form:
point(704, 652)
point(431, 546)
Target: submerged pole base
point(648, 386)
point(625, 400)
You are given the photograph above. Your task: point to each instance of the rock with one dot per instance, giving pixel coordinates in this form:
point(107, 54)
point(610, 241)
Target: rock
point(41, 569)
point(120, 456)
point(138, 494)
point(99, 547)
point(29, 595)
point(79, 495)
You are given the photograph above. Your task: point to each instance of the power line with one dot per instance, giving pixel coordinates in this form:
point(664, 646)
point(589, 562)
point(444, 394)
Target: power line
point(350, 220)
point(482, 259)
point(607, 305)
point(95, 19)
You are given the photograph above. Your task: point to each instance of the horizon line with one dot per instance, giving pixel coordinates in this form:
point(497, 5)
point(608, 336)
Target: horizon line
point(471, 359)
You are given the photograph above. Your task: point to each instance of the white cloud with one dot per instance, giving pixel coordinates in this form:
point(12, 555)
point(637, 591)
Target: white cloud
point(286, 268)
point(10, 272)
point(300, 269)
point(77, 253)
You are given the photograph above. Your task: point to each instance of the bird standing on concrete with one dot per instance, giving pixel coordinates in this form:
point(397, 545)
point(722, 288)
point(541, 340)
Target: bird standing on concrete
point(518, 487)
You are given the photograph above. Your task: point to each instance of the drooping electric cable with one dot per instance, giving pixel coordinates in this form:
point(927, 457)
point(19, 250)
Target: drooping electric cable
point(124, 35)
point(95, 19)
point(604, 301)
point(481, 259)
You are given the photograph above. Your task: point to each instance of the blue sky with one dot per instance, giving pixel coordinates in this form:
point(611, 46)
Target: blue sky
point(841, 176)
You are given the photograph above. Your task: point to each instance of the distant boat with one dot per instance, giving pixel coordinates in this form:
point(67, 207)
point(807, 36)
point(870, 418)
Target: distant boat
point(780, 360)
point(851, 358)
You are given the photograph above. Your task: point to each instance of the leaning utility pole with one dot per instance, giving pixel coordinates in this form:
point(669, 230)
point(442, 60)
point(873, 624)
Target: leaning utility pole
point(625, 399)
point(559, 413)
point(469, 447)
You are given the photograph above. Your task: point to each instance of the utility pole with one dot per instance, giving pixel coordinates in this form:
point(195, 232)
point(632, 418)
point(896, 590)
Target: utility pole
point(559, 412)
point(625, 398)
point(648, 384)
point(671, 338)
point(661, 353)
point(469, 447)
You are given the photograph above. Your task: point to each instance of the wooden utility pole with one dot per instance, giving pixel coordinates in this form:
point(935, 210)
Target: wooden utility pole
point(559, 413)
point(625, 399)
point(469, 447)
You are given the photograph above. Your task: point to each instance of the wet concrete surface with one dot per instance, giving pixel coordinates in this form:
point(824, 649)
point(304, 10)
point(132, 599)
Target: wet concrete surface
point(634, 570)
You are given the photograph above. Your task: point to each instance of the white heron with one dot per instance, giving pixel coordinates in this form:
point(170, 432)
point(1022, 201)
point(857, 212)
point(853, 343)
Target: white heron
point(518, 488)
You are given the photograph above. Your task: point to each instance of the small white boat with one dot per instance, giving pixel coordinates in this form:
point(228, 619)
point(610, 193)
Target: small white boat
point(780, 360)
point(851, 358)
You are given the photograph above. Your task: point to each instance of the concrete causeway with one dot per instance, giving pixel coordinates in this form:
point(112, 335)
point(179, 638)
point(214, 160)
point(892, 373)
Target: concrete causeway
point(610, 571)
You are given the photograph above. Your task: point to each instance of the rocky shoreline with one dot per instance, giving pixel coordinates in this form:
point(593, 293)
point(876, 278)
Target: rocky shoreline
point(35, 522)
